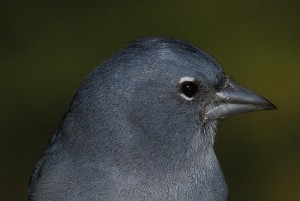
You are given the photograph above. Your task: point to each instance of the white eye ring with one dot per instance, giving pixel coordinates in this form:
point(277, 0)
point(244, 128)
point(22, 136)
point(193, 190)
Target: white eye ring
point(186, 79)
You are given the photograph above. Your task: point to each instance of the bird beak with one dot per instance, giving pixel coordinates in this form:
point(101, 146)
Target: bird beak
point(234, 99)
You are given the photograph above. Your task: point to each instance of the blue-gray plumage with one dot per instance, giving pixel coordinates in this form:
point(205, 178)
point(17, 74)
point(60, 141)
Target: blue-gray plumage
point(141, 127)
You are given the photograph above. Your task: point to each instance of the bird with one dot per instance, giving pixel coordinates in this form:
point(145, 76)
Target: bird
point(142, 126)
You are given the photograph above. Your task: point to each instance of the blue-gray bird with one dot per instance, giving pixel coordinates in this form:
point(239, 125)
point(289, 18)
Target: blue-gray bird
point(142, 127)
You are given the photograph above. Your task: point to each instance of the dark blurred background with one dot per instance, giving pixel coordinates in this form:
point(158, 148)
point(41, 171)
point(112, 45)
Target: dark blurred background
point(48, 47)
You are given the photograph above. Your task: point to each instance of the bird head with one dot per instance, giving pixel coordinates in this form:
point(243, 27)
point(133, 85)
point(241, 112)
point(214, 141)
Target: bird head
point(158, 96)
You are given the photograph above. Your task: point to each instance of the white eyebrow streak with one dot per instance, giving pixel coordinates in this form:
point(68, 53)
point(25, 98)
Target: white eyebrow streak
point(186, 79)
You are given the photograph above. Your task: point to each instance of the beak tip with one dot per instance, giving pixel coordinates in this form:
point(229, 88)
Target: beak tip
point(270, 106)
point(273, 107)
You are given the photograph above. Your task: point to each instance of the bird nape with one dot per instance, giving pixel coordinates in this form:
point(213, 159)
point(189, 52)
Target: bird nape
point(142, 126)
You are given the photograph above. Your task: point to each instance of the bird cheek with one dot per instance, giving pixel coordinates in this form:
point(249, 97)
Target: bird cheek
point(206, 101)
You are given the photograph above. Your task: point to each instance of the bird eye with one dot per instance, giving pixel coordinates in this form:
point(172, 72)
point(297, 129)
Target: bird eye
point(189, 88)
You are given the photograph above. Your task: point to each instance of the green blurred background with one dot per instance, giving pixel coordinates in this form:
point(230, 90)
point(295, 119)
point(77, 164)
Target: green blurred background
point(48, 48)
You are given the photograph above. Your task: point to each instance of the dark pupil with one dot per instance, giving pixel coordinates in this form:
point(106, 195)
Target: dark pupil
point(189, 88)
